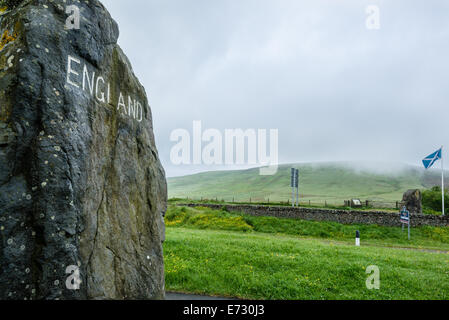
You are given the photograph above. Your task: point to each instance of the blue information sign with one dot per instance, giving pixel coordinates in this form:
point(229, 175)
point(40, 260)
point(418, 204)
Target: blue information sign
point(405, 216)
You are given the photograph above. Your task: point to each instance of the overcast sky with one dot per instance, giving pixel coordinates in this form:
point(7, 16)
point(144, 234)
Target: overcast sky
point(312, 69)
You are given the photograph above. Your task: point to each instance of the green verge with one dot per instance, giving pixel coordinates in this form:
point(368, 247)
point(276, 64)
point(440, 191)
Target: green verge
point(214, 252)
point(425, 237)
point(264, 266)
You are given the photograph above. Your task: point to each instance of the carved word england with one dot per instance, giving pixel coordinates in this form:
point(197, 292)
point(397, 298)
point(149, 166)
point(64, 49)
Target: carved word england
point(100, 89)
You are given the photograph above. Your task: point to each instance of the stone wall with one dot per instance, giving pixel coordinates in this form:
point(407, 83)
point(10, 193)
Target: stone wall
point(340, 216)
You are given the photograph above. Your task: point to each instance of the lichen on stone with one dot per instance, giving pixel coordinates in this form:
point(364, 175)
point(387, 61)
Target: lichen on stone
point(7, 38)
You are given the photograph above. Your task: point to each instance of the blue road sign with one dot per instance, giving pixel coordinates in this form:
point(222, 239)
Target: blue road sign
point(405, 216)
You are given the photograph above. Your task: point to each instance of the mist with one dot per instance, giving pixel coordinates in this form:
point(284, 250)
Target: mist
point(334, 89)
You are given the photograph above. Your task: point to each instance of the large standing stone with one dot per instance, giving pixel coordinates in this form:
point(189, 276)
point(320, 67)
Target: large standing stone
point(81, 184)
point(412, 199)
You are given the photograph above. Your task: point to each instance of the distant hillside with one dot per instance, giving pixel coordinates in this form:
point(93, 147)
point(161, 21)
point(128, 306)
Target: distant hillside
point(333, 182)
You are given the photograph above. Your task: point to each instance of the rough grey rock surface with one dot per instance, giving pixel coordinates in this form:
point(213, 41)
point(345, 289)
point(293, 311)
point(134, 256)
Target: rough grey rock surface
point(81, 183)
point(412, 199)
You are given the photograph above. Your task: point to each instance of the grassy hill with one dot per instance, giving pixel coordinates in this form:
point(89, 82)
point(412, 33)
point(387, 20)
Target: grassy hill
point(331, 182)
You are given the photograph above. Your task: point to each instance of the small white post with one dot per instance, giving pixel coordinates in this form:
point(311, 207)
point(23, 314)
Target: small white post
point(357, 238)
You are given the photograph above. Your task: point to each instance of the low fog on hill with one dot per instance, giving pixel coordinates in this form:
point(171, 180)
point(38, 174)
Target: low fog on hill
point(335, 90)
point(333, 182)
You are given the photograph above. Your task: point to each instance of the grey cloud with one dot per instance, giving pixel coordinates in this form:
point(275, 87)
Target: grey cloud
point(335, 90)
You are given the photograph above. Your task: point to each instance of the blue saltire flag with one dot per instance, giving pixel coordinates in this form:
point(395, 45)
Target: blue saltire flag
point(431, 159)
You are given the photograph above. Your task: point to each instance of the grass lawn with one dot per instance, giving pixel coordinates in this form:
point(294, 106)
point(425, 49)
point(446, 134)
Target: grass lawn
point(267, 266)
point(217, 253)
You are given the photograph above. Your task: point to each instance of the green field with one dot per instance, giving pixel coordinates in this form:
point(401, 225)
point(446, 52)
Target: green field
point(217, 253)
point(206, 218)
point(332, 182)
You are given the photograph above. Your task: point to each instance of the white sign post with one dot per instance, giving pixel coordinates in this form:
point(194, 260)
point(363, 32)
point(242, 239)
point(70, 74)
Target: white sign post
point(292, 184)
point(295, 185)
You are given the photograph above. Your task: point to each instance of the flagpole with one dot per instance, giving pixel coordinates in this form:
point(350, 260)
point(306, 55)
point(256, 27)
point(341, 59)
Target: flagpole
point(442, 179)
